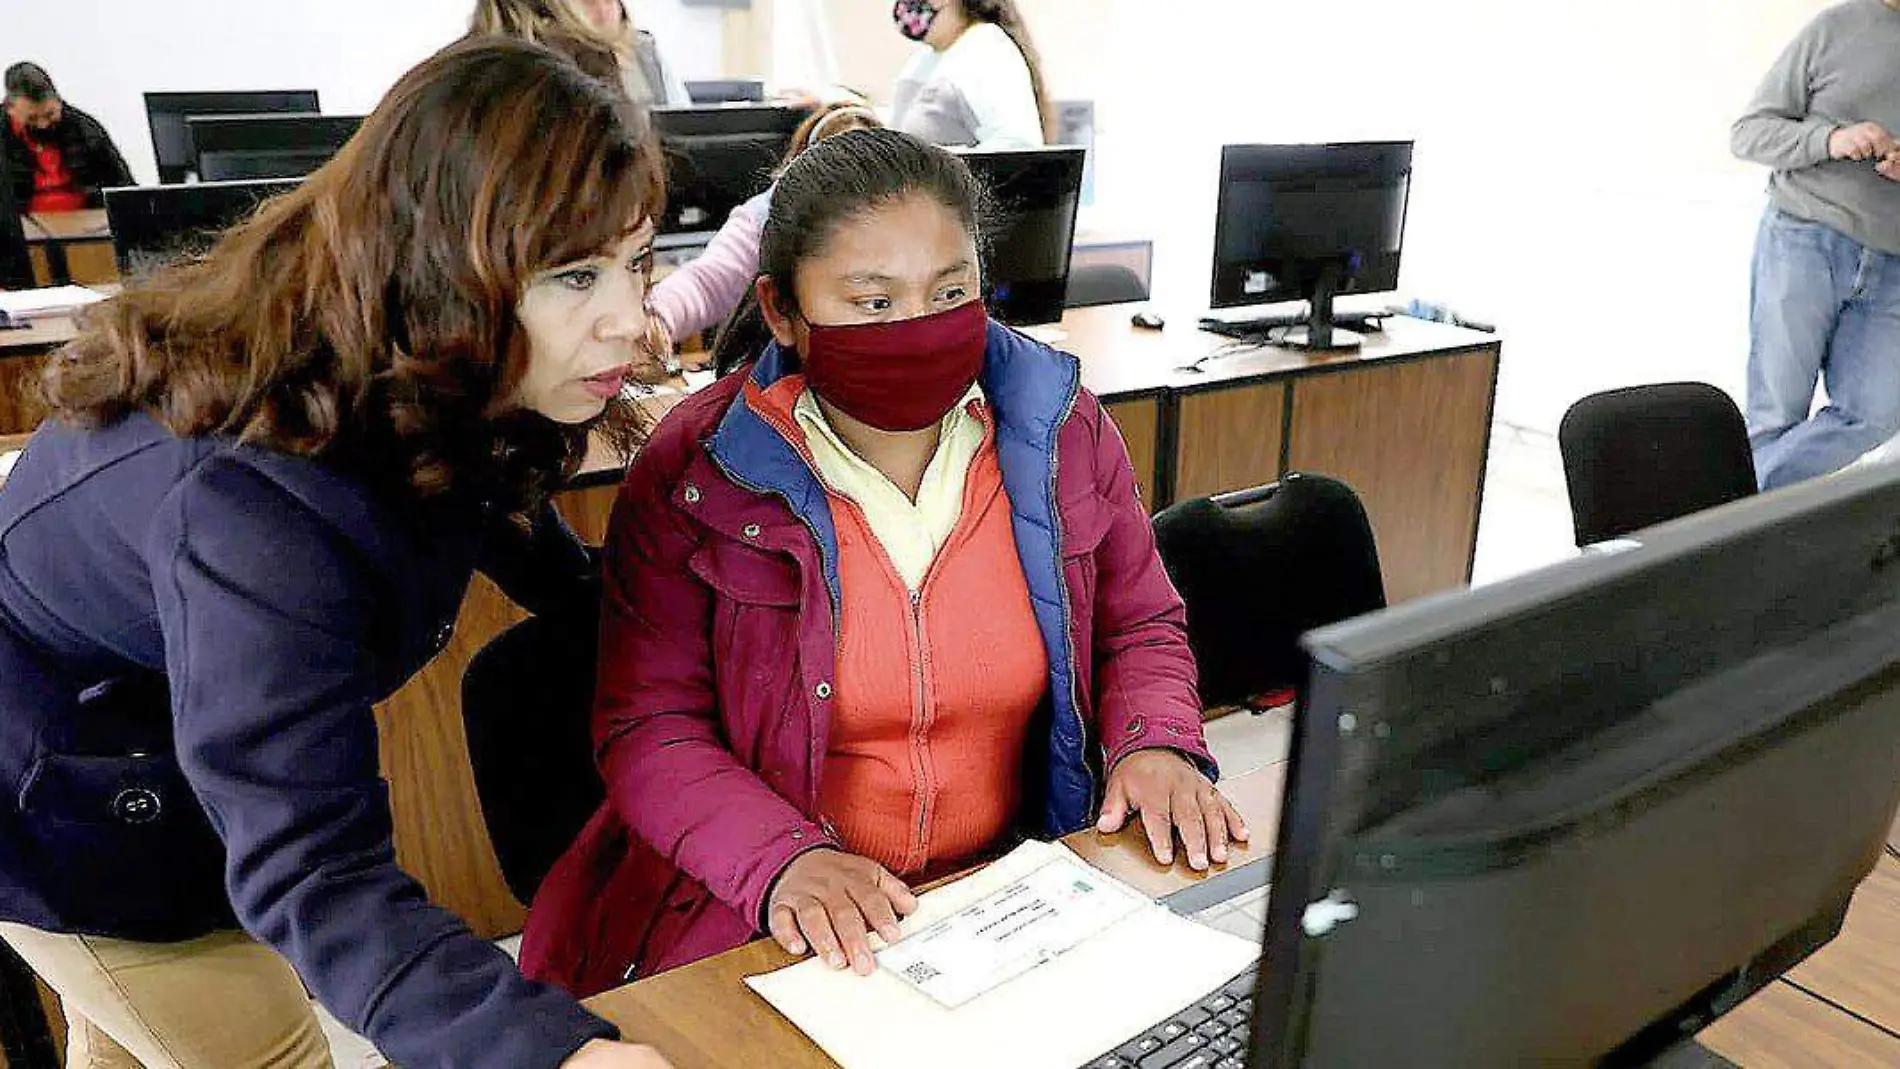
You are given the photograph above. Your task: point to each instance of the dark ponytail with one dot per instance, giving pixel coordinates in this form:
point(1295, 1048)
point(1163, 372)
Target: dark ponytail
point(1004, 15)
point(831, 183)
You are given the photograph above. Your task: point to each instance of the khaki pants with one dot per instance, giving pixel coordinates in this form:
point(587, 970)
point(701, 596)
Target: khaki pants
point(221, 1002)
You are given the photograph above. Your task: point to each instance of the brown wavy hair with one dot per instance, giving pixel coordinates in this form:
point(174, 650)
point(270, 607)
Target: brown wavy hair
point(367, 318)
point(1006, 16)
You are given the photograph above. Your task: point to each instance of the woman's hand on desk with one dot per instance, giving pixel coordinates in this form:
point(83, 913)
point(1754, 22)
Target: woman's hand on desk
point(831, 901)
point(1171, 795)
point(601, 1054)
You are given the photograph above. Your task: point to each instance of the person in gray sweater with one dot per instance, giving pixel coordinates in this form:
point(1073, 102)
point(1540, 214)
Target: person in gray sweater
point(1826, 291)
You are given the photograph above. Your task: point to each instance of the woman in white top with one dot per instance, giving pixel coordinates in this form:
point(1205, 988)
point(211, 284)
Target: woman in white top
point(584, 30)
point(976, 80)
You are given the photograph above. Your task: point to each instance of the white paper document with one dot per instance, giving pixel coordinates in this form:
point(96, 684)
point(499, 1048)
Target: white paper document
point(1021, 967)
point(1028, 923)
point(23, 305)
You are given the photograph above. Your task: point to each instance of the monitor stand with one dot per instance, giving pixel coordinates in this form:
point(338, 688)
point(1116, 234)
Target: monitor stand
point(1319, 334)
point(1335, 339)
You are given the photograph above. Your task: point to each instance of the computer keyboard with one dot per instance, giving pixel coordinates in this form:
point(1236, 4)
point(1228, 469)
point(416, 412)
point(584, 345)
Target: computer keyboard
point(1251, 328)
point(1247, 329)
point(1211, 1034)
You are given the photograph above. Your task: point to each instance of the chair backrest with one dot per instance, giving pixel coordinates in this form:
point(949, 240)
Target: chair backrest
point(1093, 284)
point(1636, 457)
point(527, 703)
point(1260, 568)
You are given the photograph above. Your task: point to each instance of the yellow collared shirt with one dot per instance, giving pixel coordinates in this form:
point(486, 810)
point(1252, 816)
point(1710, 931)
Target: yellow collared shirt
point(911, 532)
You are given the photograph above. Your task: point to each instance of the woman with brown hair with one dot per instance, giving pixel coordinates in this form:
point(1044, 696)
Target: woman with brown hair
point(268, 478)
point(598, 34)
point(977, 79)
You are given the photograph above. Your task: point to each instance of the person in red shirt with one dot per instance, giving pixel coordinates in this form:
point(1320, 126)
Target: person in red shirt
point(59, 158)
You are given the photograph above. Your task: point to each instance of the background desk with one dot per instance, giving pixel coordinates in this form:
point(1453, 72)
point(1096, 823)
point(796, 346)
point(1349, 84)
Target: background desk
point(22, 355)
point(71, 247)
point(1406, 422)
point(704, 1017)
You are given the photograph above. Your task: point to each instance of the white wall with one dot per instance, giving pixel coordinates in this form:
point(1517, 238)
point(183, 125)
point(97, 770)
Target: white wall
point(1573, 176)
point(105, 53)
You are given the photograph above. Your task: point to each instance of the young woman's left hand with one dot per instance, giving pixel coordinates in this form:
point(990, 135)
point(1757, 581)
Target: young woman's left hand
point(1171, 794)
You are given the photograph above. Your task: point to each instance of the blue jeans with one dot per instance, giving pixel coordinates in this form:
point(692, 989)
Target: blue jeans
point(1823, 306)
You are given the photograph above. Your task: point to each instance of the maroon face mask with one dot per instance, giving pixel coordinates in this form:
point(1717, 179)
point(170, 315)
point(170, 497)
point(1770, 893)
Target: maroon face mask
point(898, 376)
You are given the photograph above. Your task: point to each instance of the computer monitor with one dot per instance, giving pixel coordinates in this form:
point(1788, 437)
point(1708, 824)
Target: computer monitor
point(239, 147)
point(726, 91)
point(1572, 818)
point(1310, 222)
point(155, 225)
point(718, 158)
point(1037, 193)
point(171, 140)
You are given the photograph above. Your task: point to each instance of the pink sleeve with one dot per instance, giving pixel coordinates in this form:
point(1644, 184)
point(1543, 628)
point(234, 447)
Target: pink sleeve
point(703, 293)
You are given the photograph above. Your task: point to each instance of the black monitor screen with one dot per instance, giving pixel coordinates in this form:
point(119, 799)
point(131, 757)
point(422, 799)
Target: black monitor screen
point(1571, 818)
point(1289, 213)
point(232, 147)
point(171, 139)
point(717, 158)
point(1036, 194)
point(155, 225)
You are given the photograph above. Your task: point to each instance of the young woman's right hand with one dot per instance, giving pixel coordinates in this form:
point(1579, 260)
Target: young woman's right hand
point(830, 900)
point(1862, 141)
point(604, 1054)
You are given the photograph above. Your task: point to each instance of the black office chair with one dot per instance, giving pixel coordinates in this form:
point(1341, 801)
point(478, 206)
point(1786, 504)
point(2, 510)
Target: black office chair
point(1103, 283)
point(1261, 567)
point(527, 699)
point(1636, 457)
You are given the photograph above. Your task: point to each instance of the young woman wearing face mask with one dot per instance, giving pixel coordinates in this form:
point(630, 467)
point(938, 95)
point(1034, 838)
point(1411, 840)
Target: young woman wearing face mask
point(975, 80)
point(267, 480)
point(874, 607)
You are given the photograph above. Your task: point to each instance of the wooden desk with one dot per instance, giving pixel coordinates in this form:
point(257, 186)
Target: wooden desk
point(1406, 422)
point(71, 247)
point(704, 1017)
point(22, 355)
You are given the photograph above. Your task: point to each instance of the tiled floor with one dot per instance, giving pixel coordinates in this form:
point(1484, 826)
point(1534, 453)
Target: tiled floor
point(1525, 524)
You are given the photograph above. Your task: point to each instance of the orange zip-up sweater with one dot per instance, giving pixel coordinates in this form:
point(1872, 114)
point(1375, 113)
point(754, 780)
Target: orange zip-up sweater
point(935, 691)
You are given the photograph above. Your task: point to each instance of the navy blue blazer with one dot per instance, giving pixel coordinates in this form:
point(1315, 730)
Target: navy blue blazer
point(192, 634)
